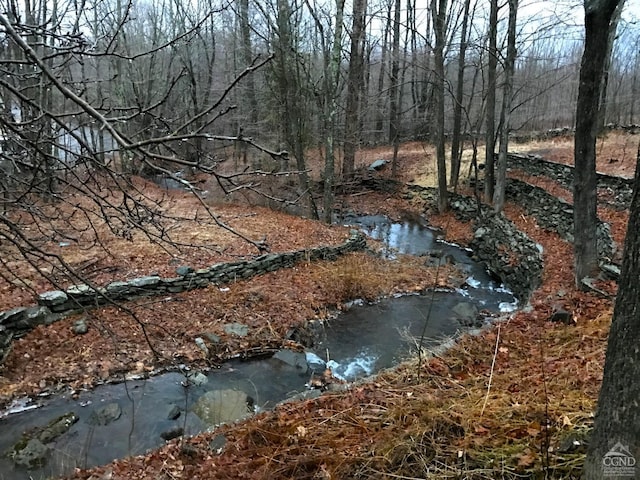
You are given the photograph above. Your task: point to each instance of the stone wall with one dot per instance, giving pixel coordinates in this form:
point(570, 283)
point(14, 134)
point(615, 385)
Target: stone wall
point(57, 304)
point(507, 252)
point(553, 213)
point(621, 188)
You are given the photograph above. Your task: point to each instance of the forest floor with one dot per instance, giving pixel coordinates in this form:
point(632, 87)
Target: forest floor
point(506, 403)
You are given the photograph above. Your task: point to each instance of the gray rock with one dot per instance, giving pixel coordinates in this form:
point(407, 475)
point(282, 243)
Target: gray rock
point(174, 413)
point(80, 289)
point(222, 406)
point(173, 432)
point(378, 165)
point(297, 360)
point(197, 378)
point(55, 297)
point(217, 444)
point(314, 362)
point(115, 288)
point(237, 329)
point(145, 281)
point(202, 345)
point(575, 442)
point(34, 454)
point(212, 337)
point(465, 311)
point(37, 315)
point(105, 415)
point(10, 316)
point(561, 315)
point(480, 232)
point(80, 327)
point(183, 270)
point(57, 427)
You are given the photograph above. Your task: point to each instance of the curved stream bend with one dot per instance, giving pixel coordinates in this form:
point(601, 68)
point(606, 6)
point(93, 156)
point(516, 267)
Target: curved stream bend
point(114, 421)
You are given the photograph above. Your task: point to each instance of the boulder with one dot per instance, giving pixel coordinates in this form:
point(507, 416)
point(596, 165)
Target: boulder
point(378, 165)
point(57, 427)
point(173, 432)
point(32, 455)
point(105, 415)
point(297, 360)
point(466, 313)
point(80, 327)
point(196, 378)
point(222, 406)
point(174, 413)
point(237, 329)
point(53, 298)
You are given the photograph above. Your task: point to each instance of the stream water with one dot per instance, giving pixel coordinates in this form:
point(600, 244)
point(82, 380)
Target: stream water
point(359, 342)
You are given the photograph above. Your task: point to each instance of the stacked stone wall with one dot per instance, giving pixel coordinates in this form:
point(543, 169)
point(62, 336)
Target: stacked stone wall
point(507, 252)
point(621, 188)
point(54, 305)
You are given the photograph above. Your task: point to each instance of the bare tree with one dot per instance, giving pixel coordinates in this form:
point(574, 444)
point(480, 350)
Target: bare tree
point(598, 22)
point(615, 20)
point(288, 77)
point(439, 14)
point(355, 80)
point(505, 115)
point(332, 53)
point(380, 93)
point(47, 158)
point(456, 150)
point(490, 112)
point(394, 100)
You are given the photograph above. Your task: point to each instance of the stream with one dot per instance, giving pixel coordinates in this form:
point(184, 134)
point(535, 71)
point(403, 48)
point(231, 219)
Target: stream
point(117, 420)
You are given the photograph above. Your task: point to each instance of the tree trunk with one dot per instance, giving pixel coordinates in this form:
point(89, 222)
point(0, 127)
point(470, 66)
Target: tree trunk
point(383, 71)
point(394, 108)
point(501, 171)
point(457, 109)
point(490, 122)
point(331, 92)
point(354, 88)
point(617, 422)
point(613, 26)
point(247, 58)
point(439, 13)
point(598, 15)
point(287, 72)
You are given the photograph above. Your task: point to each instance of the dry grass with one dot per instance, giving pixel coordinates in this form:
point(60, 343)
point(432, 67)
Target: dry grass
point(440, 420)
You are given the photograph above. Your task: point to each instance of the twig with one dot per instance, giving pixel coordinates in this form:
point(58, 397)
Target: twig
point(493, 364)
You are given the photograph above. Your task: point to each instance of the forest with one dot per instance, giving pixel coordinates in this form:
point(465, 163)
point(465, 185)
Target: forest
point(319, 239)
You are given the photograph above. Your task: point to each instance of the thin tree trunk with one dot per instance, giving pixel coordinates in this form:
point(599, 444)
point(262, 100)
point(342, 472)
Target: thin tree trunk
point(439, 13)
point(490, 118)
point(394, 109)
point(247, 58)
point(381, 76)
point(354, 88)
point(602, 115)
point(501, 170)
point(331, 91)
point(456, 142)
